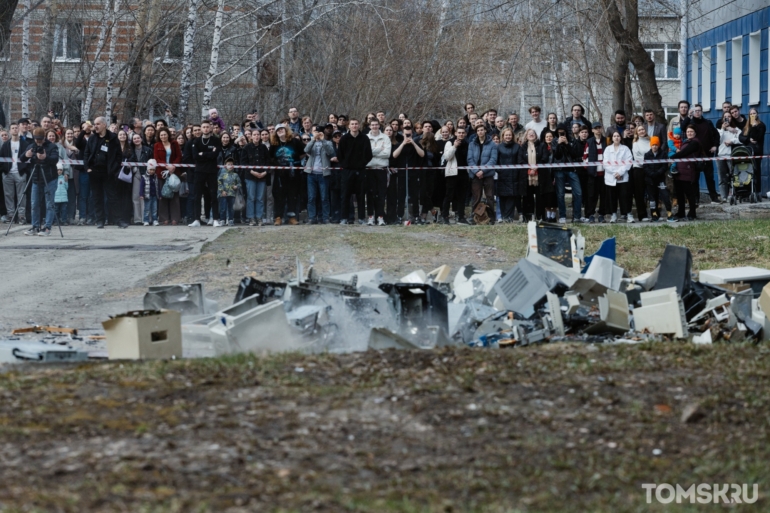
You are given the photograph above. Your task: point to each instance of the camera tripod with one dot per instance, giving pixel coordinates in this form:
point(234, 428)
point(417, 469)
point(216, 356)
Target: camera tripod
point(32, 174)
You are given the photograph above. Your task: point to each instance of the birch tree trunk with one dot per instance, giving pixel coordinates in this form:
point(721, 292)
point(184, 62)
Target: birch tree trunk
point(214, 61)
point(86, 111)
point(111, 58)
point(45, 60)
point(134, 79)
point(148, 56)
point(189, 40)
point(25, 61)
point(6, 17)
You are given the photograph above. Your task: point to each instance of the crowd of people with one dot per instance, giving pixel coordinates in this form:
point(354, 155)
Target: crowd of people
point(374, 170)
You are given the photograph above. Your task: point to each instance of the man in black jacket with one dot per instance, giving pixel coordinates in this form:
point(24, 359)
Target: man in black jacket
point(354, 154)
point(655, 179)
point(14, 174)
point(205, 150)
point(41, 157)
point(101, 160)
point(709, 139)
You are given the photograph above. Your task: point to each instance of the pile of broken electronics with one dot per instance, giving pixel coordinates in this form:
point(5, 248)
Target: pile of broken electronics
point(553, 294)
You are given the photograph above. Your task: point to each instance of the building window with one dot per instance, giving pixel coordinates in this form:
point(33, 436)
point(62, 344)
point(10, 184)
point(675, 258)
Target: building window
point(754, 66)
point(693, 77)
point(69, 41)
point(721, 88)
point(666, 59)
point(737, 71)
point(706, 79)
point(174, 46)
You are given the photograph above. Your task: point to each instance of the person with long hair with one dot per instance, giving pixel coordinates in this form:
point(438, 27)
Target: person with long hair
point(686, 179)
point(616, 178)
point(139, 153)
point(636, 179)
point(53, 137)
point(511, 182)
point(167, 153)
point(286, 151)
point(530, 154)
point(754, 136)
point(728, 139)
point(428, 178)
point(546, 180)
point(74, 189)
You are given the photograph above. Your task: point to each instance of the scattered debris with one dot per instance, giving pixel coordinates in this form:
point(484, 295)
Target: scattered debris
point(186, 298)
point(44, 329)
point(24, 351)
point(692, 413)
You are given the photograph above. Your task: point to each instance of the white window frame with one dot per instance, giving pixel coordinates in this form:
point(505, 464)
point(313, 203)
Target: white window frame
point(755, 49)
point(706, 79)
point(721, 89)
point(63, 32)
point(694, 77)
point(736, 95)
point(172, 60)
point(667, 47)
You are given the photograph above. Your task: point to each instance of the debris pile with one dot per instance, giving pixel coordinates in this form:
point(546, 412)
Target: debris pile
point(555, 293)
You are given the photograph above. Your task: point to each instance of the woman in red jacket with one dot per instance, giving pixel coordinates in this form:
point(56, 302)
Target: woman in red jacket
point(166, 152)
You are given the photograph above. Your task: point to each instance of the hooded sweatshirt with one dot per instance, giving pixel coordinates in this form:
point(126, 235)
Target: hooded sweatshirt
point(380, 150)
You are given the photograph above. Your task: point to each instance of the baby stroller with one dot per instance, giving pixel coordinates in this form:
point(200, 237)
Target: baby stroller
point(743, 174)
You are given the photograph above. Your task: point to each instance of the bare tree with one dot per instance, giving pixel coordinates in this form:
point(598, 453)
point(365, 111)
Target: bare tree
point(187, 60)
point(45, 59)
point(25, 71)
point(214, 57)
point(92, 76)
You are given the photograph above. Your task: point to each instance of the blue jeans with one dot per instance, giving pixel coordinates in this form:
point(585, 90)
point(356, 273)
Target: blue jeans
point(85, 207)
point(226, 211)
point(150, 210)
point(71, 203)
point(39, 195)
point(255, 199)
point(317, 184)
point(577, 193)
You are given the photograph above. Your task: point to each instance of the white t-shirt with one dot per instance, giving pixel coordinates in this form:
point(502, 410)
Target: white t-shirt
point(15, 156)
point(537, 127)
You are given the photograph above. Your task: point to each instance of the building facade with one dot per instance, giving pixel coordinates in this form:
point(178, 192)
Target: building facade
point(728, 60)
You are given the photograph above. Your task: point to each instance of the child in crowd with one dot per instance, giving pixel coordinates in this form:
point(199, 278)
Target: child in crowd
point(674, 144)
point(61, 199)
point(148, 189)
point(228, 183)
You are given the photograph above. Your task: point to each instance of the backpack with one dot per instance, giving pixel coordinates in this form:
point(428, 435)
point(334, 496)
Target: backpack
point(481, 213)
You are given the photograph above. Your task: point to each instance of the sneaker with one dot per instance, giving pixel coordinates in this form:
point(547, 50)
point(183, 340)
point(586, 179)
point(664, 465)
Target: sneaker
point(583, 219)
point(646, 220)
point(5, 220)
point(614, 218)
point(194, 224)
point(370, 221)
point(562, 220)
point(216, 224)
point(671, 219)
point(210, 222)
point(592, 219)
point(259, 222)
point(44, 233)
point(100, 226)
point(293, 221)
point(444, 220)
point(343, 221)
point(462, 220)
point(231, 223)
point(252, 222)
point(630, 218)
point(381, 221)
point(145, 224)
point(31, 231)
point(654, 218)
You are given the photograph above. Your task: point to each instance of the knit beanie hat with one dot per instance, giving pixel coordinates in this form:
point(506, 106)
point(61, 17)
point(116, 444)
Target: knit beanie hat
point(654, 140)
point(677, 130)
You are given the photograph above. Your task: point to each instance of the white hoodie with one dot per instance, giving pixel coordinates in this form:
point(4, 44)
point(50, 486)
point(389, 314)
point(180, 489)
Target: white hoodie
point(380, 150)
point(613, 155)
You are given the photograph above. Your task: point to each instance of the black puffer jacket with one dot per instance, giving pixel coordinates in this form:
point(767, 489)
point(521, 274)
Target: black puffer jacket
point(511, 181)
point(655, 172)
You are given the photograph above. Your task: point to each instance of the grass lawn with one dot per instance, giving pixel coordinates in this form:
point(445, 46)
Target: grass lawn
point(556, 427)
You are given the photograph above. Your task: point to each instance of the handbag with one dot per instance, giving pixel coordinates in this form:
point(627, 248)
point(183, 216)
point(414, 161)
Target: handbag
point(167, 192)
point(174, 182)
point(126, 175)
point(184, 190)
point(239, 203)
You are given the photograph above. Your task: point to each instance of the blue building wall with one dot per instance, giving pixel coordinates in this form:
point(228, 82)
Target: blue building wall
point(758, 20)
